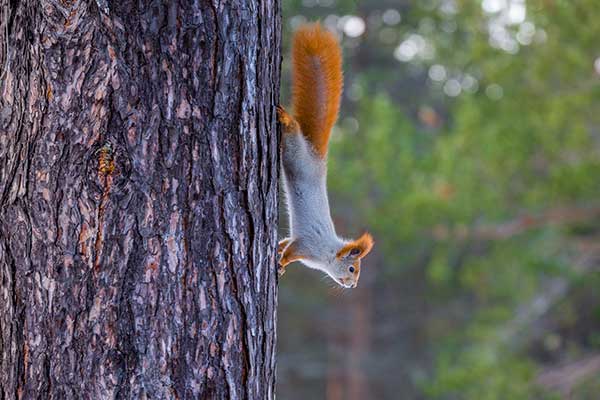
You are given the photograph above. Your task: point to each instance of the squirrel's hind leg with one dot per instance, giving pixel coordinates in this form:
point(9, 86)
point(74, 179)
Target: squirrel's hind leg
point(288, 123)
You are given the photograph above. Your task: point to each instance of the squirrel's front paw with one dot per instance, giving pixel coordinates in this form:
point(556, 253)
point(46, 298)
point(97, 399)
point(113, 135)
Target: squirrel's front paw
point(288, 253)
point(280, 270)
point(288, 123)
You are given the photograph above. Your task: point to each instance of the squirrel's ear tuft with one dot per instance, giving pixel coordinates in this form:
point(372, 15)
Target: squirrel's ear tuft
point(357, 248)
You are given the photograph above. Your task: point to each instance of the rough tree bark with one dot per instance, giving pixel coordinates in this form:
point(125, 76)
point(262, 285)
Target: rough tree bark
point(138, 199)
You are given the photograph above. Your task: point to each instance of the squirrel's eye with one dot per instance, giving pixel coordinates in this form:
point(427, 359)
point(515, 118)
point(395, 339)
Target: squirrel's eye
point(355, 251)
point(351, 269)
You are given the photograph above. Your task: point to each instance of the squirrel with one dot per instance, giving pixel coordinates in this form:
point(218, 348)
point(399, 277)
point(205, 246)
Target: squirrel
point(316, 91)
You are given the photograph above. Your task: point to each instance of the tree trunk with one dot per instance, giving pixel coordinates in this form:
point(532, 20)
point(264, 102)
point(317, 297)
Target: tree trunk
point(138, 199)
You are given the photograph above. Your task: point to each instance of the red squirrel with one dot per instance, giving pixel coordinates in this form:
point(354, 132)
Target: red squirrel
point(316, 91)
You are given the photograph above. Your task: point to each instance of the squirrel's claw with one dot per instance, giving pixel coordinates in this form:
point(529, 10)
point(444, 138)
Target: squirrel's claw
point(280, 270)
point(283, 261)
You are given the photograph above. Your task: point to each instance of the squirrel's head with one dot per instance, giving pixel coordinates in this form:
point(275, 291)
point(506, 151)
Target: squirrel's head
point(346, 266)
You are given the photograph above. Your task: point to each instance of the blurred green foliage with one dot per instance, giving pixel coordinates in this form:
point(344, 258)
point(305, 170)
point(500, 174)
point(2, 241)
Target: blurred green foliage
point(459, 120)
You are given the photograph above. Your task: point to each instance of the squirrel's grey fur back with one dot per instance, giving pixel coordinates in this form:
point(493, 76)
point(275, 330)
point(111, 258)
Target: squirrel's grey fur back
point(305, 182)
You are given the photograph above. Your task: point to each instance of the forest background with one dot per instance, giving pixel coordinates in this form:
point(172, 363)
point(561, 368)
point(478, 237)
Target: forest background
point(469, 144)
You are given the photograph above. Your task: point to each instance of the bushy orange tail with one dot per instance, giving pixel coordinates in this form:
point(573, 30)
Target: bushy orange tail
point(317, 83)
